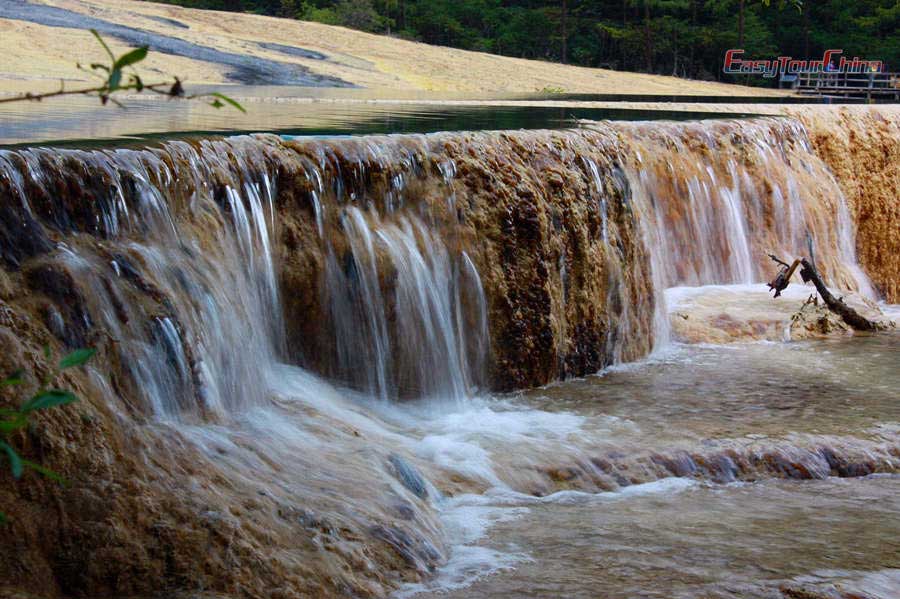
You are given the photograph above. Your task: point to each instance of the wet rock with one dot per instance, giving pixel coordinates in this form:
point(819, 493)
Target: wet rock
point(780, 463)
point(798, 592)
point(845, 468)
point(679, 464)
point(563, 474)
point(405, 510)
point(12, 357)
point(293, 51)
point(21, 237)
point(408, 475)
point(418, 553)
point(69, 303)
point(723, 468)
point(6, 286)
point(54, 321)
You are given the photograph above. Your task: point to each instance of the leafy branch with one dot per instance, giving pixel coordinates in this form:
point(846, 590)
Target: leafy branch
point(120, 75)
point(46, 397)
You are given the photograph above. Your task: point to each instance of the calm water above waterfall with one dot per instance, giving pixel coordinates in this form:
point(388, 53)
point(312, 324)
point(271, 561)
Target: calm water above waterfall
point(310, 346)
point(294, 111)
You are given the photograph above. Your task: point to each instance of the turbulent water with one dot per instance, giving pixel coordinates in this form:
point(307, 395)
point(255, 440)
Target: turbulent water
point(310, 331)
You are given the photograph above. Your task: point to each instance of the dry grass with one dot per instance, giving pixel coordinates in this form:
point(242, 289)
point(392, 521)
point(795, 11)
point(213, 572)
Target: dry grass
point(35, 53)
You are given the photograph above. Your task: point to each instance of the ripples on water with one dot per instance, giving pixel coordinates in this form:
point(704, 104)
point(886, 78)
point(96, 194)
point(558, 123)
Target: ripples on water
point(678, 537)
point(653, 478)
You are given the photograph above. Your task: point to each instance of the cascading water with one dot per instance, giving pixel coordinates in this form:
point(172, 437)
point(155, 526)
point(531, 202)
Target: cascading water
point(178, 276)
point(401, 309)
point(717, 198)
point(421, 350)
point(404, 268)
point(722, 196)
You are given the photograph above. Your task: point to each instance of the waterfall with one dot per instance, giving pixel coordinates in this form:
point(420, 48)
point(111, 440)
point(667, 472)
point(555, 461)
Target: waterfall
point(422, 352)
point(169, 253)
point(293, 335)
point(388, 264)
point(717, 198)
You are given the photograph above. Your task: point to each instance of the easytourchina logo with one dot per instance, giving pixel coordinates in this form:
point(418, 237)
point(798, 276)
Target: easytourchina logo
point(832, 61)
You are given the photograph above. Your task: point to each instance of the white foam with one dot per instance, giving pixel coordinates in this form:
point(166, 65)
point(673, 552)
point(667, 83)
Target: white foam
point(892, 311)
point(467, 564)
point(507, 497)
point(681, 297)
point(466, 522)
point(468, 518)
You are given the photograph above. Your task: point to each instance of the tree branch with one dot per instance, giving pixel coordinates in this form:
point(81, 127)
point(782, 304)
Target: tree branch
point(808, 273)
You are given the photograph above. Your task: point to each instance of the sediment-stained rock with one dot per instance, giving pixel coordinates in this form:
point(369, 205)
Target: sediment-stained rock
point(195, 268)
point(862, 149)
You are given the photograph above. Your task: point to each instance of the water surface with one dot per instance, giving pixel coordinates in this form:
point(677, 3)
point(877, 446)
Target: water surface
point(289, 110)
point(687, 536)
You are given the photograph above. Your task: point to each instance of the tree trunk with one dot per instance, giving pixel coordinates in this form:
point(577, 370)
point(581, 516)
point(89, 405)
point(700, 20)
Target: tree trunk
point(565, 10)
point(847, 314)
point(648, 39)
point(693, 39)
point(808, 273)
point(622, 65)
point(675, 54)
point(805, 32)
point(741, 25)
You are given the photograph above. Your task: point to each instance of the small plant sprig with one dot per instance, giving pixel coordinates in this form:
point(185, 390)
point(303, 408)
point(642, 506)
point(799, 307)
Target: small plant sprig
point(549, 89)
point(46, 397)
point(119, 76)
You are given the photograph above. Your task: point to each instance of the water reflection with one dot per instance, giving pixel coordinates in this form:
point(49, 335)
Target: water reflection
point(287, 110)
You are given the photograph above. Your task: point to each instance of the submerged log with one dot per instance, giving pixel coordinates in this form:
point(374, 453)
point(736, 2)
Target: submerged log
point(809, 273)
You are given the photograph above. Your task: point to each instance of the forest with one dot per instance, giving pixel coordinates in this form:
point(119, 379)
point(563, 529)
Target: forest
point(686, 38)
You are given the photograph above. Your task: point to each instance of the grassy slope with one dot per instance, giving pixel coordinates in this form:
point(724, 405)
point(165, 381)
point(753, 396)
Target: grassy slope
point(34, 53)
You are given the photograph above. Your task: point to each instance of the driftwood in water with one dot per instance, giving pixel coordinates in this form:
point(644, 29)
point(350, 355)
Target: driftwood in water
point(808, 273)
point(847, 314)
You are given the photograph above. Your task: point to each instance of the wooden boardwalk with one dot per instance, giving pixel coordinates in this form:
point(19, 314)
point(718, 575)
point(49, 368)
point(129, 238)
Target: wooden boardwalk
point(869, 86)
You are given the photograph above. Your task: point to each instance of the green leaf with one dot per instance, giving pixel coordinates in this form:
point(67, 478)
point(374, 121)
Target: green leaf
point(47, 353)
point(216, 104)
point(15, 423)
point(16, 378)
point(130, 58)
point(2, 518)
point(45, 471)
point(49, 399)
point(77, 358)
point(114, 79)
point(112, 56)
point(15, 462)
point(228, 100)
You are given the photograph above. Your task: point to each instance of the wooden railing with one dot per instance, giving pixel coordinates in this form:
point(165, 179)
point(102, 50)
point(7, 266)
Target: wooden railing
point(856, 85)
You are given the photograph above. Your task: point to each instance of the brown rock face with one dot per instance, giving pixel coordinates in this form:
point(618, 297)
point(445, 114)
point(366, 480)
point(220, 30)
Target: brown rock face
point(553, 241)
point(405, 266)
point(862, 149)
